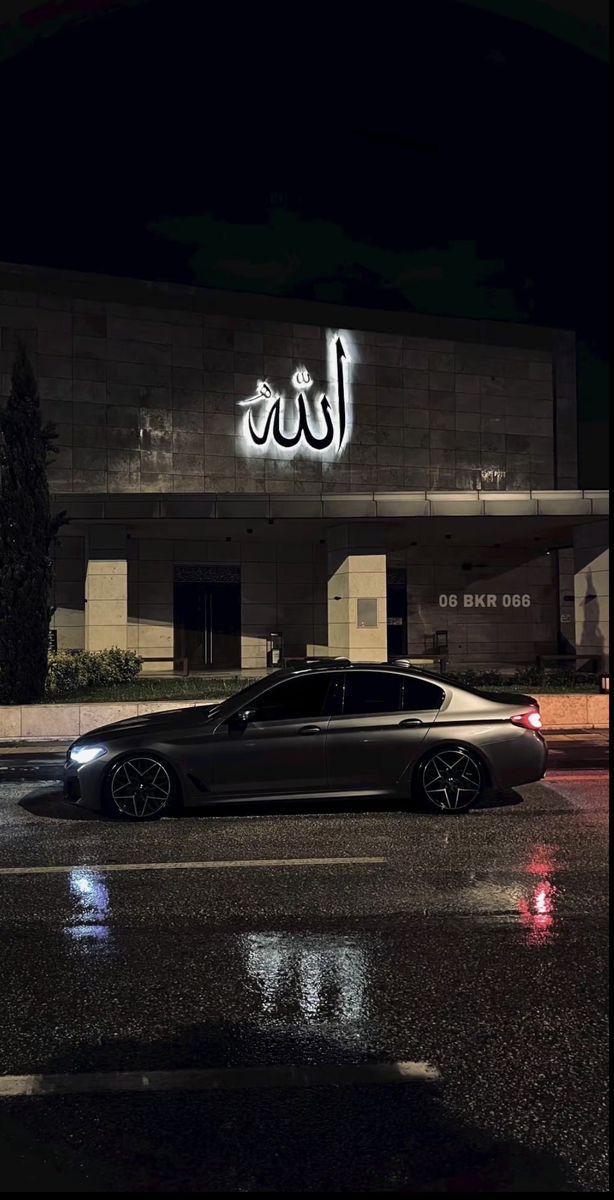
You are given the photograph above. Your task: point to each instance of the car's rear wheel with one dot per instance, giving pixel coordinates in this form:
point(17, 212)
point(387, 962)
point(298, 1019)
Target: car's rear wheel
point(450, 780)
point(140, 787)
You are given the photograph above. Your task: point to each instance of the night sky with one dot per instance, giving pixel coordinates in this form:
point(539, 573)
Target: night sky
point(441, 157)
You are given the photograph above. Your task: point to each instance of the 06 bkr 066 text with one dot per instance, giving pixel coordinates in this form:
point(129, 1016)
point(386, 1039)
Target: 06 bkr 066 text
point(484, 600)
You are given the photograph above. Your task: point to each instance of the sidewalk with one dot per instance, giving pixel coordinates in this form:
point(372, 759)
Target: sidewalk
point(586, 749)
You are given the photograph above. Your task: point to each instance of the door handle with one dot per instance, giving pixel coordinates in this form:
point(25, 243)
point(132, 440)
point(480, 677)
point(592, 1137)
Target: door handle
point(310, 729)
point(410, 723)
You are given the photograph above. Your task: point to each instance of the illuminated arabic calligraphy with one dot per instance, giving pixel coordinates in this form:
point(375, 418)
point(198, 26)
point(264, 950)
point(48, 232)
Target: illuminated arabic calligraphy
point(318, 427)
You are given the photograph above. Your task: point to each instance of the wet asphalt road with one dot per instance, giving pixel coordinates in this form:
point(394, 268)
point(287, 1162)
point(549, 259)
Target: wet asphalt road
point(478, 945)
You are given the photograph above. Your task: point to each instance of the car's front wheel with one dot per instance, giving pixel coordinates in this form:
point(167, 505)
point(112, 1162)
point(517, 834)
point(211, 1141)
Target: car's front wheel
point(140, 787)
point(450, 780)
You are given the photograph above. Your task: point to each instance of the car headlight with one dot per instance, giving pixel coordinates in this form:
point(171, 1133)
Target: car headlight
point(86, 754)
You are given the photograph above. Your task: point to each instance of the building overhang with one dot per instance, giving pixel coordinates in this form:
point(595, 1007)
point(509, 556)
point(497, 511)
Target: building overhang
point(569, 507)
point(392, 520)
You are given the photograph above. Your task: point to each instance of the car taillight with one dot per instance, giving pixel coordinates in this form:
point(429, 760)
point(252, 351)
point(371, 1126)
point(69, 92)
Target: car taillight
point(528, 720)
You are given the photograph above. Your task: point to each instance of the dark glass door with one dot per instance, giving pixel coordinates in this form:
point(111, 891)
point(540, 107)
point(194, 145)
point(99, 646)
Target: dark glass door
point(208, 624)
point(396, 611)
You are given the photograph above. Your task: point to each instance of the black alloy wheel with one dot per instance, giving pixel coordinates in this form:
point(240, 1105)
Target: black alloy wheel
point(140, 787)
point(451, 780)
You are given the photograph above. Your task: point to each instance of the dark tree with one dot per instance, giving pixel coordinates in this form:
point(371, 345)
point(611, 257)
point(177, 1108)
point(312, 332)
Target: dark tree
point(27, 531)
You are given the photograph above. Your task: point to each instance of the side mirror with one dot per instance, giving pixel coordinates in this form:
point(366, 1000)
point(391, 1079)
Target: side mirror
point(242, 718)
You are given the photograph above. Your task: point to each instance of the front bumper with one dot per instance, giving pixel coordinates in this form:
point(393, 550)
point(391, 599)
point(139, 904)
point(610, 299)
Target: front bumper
point(82, 785)
point(72, 787)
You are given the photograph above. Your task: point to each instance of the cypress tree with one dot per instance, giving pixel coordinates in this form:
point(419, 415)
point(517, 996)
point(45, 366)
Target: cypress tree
point(27, 531)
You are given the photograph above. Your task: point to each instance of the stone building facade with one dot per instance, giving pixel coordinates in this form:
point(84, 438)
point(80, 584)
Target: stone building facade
point(360, 483)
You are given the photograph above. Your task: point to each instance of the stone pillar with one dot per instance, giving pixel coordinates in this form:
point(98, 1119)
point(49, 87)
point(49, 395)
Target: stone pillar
point(106, 589)
point(357, 620)
point(591, 591)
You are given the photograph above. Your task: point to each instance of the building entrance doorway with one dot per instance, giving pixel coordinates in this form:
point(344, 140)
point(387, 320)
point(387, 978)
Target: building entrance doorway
point(396, 611)
point(207, 616)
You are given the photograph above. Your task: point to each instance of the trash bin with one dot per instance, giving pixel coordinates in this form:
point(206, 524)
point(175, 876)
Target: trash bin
point(274, 647)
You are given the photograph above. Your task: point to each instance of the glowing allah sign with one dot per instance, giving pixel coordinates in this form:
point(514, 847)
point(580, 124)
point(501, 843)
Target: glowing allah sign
point(317, 426)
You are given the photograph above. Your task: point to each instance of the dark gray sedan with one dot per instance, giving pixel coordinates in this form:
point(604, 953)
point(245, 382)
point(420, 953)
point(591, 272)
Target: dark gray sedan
point(333, 731)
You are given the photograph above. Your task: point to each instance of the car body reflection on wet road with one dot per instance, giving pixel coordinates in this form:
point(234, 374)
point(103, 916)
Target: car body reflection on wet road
point(315, 978)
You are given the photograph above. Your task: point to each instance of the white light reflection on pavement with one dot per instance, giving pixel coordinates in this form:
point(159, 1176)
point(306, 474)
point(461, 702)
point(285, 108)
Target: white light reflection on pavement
point(321, 978)
point(92, 906)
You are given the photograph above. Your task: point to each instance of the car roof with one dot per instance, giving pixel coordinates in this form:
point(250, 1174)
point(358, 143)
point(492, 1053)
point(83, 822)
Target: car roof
point(346, 664)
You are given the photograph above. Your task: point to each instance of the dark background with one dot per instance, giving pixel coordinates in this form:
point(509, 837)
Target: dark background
point(445, 157)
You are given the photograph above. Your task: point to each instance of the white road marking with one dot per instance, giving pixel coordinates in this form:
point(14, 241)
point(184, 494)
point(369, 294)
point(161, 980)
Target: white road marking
point(212, 865)
point(218, 1078)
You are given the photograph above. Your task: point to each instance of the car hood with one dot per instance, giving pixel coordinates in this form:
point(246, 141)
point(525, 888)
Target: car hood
point(174, 718)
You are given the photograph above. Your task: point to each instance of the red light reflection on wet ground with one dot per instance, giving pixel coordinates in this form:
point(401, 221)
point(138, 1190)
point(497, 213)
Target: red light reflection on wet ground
point(538, 912)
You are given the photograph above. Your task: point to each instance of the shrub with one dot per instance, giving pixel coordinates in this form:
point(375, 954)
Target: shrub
point(65, 673)
point(114, 666)
point(529, 677)
point(476, 679)
point(70, 672)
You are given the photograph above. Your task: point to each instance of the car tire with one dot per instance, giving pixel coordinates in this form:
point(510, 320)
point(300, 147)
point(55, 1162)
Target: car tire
point(140, 786)
point(449, 780)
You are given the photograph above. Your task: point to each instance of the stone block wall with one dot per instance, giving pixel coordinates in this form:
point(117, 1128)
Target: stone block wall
point(147, 400)
point(68, 597)
point(480, 631)
point(283, 590)
point(592, 591)
point(150, 601)
point(567, 620)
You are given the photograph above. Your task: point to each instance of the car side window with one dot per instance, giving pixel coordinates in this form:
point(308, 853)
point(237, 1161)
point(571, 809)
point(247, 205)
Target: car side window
point(372, 692)
point(419, 695)
point(295, 698)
